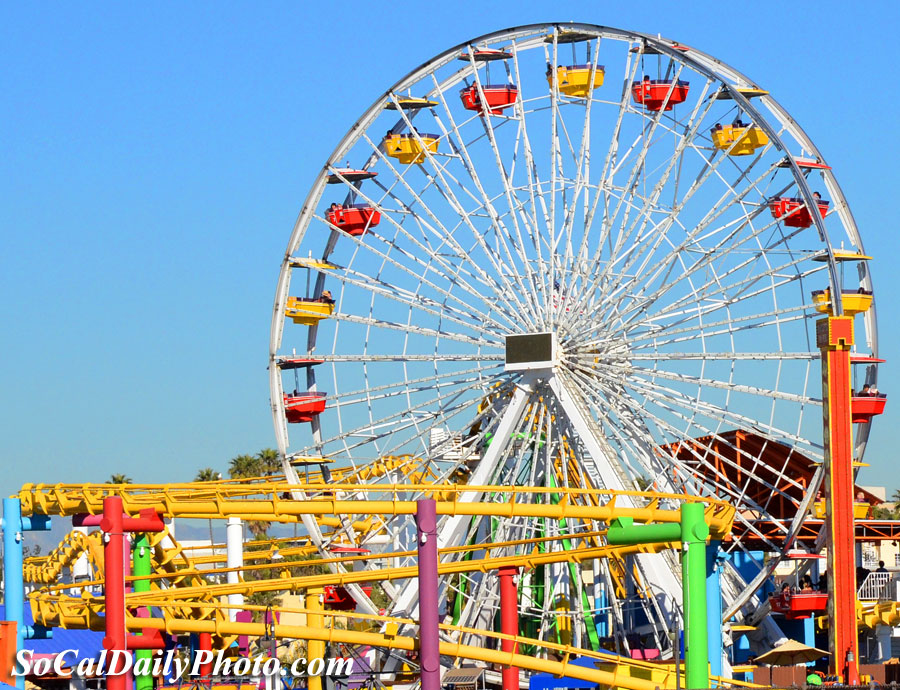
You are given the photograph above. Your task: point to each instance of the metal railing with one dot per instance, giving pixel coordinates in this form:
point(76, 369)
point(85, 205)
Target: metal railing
point(877, 587)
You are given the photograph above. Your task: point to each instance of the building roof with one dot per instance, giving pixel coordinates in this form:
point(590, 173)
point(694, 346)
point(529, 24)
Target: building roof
point(88, 642)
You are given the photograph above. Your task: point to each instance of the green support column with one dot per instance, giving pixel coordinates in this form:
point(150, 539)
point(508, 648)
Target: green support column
point(692, 533)
point(140, 565)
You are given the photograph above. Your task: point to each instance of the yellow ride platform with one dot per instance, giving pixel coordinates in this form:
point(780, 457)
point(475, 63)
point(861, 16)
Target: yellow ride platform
point(745, 140)
point(407, 149)
point(575, 80)
point(307, 313)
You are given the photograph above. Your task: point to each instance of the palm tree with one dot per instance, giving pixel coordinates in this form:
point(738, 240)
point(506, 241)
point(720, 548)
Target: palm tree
point(269, 461)
point(244, 467)
point(208, 474)
point(895, 497)
point(247, 467)
point(119, 479)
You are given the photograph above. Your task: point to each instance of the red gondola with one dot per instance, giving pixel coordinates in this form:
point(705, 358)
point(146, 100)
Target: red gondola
point(497, 96)
point(863, 408)
point(651, 93)
point(303, 407)
point(354, 220)
point(796, 605)
point(798, 218)
point(337, 598)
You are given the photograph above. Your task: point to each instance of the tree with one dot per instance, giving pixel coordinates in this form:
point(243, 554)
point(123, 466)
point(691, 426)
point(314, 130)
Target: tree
point(119, 479)
point(248, 467)
point(244, 467)
point(269, 461)
point(895, 497)
point(208, 474)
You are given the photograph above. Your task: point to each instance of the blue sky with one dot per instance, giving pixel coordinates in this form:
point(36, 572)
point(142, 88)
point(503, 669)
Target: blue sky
point(154, 159)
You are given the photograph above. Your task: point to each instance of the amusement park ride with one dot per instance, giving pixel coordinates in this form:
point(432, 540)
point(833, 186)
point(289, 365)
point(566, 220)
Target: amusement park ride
point(579, 302)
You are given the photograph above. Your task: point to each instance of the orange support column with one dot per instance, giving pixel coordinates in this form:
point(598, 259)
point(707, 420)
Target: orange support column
point(834, 336)
point(7, 652)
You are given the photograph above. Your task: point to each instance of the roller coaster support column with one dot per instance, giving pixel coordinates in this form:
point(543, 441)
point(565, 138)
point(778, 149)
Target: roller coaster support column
point(13, 571)
point(834, 336)
point(140, 566)
point(509, 621)
point(692, 533)
point(714, 608)
point(315, 648)
point(429, 641)
point(234, 555)
point(115, 525)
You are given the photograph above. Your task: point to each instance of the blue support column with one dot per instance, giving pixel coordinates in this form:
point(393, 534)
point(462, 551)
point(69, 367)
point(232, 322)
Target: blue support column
point(714, 608)
point(14, 573)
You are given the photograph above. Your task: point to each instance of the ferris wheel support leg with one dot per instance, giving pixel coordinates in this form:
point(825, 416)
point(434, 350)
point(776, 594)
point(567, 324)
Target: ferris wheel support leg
point(665, 583)
point(429, 632)
point(453, 528)
point(834, 336)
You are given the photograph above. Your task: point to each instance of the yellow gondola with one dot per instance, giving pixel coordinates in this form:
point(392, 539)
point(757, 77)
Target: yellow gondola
point(854, 302)
point(575, 80)
point(307, 312)
point(745, 139)
point(407, 148)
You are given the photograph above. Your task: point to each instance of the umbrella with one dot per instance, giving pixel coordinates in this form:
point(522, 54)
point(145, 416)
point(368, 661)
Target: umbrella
point(790, 653)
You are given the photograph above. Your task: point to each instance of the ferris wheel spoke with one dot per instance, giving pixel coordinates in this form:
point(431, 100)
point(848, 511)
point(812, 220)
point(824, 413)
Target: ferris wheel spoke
point(730, 294)
point(666, 264)
point(653, 374)
point(396, 422)
point(420, 304)
point(498, 226)
point(717, 413)
point(702, 458)
point(441, 183)
point(416, 385)
point(660, 229)
point(637, 169)
point(443, 234)
point(533, 182)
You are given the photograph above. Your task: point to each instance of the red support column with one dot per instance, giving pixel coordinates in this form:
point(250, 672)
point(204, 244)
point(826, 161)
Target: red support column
point(115, 524)
point(114, 586)
point(509, 621)
point(834, 336)
point(205, 644)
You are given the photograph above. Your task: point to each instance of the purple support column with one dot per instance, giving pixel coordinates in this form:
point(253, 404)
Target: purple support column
point(429, 643)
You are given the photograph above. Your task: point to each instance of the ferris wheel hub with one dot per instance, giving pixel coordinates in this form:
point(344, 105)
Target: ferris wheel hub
point(531, 351)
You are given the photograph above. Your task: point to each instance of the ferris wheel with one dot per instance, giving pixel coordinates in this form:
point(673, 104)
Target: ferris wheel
point(567, 255)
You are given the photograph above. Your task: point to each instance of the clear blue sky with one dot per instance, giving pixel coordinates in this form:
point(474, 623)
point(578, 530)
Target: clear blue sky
point(154, 159)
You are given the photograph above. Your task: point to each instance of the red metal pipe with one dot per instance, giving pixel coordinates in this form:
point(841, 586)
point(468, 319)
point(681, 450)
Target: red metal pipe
point(509, 621)
point(114, 586)
point(115, 524)
point(204, 643)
